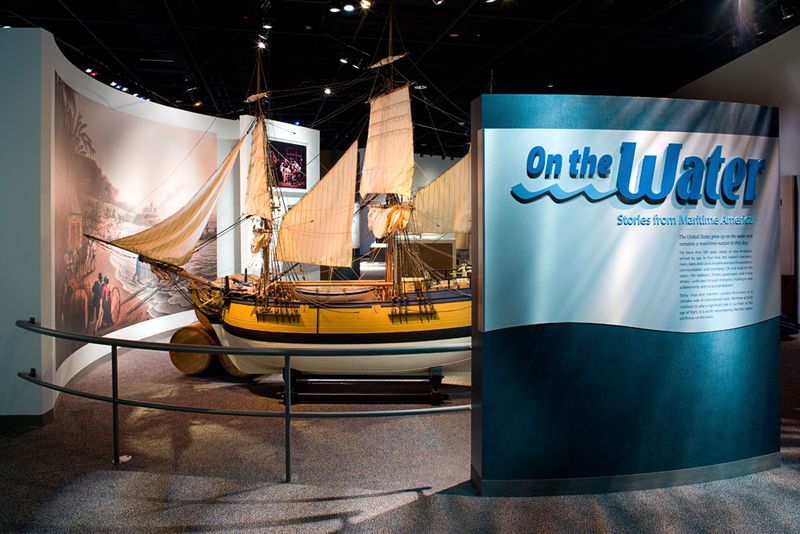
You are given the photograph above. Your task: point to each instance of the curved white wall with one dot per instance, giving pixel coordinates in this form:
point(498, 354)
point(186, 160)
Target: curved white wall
point(29, 60)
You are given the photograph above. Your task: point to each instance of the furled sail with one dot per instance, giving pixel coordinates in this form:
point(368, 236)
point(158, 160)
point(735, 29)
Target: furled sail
point(257, 198)
point(173, 240)
point(387, 61)
point(443, 206)
point(385, 220)
point(389, 156)
point(318, 228)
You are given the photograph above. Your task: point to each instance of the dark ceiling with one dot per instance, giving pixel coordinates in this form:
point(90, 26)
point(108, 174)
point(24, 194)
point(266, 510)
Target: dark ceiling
point(179, 52)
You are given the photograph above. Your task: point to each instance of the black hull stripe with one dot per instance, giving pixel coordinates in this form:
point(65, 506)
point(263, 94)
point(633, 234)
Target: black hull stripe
point(374, 337)
point(361, 304)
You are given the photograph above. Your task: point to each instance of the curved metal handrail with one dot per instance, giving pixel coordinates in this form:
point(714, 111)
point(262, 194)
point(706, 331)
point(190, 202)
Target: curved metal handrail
point(241, 351)
point(287, 414)
point(243, 413)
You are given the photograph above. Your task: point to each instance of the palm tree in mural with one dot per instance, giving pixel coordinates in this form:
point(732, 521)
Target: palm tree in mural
point(73, 126)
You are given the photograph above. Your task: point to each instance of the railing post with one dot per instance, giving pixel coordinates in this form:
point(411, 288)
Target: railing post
point(287, 422)
point(114, 404)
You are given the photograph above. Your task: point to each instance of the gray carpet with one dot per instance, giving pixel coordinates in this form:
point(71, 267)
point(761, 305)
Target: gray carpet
point(211, 473)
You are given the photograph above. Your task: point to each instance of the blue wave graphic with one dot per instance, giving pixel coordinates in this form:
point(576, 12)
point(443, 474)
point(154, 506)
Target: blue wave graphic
point(523, 196)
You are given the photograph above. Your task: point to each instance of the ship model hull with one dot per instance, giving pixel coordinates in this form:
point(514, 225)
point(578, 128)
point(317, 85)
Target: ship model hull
point(424, 321)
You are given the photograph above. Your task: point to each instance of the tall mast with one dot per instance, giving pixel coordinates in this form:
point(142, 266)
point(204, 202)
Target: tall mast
point(391, 29)
point(266, 225)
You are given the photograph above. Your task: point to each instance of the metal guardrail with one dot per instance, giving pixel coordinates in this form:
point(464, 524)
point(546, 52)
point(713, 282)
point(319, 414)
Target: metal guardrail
point(287, 414)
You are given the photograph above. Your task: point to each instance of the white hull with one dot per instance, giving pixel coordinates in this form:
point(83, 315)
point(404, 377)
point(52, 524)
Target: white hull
point(350, 365)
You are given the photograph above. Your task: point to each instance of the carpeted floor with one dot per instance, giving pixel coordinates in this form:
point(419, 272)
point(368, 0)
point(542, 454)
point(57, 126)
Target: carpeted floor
point(403, 474)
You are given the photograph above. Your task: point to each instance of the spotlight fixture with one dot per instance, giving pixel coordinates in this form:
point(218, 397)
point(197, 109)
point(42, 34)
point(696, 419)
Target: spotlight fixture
point(87, 70)
point(349, 7)
point(785, 13)
point(197, 103)
point(437, 2)
point(135, 94)
point(335, 7)
point(262, 44)
point(343, 60)
point(490, 1)
point(93, 73)
point(327, 90)
point(113, 84)
point(297, 123)
point(6, 27)
point(124, 89)
point(267, 25)
point(365, 4)
point(420, 87)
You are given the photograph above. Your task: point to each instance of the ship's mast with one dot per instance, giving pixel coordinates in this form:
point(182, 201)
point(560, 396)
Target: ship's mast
point(266, 224)
point(392, 268)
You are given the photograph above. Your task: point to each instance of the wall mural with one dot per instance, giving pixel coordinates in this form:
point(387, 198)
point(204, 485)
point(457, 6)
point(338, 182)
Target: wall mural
point(116, 174)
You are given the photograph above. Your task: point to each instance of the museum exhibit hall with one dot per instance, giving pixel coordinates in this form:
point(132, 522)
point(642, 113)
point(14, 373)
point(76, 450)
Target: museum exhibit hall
point(400, 266)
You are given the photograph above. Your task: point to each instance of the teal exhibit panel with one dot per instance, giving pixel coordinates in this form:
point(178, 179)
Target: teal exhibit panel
point(626, 321)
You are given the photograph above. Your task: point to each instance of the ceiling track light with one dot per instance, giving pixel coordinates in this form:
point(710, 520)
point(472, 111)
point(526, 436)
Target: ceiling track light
point(327, 90)
point(334, 7)
point(262, 45)
point(349, 7)
point(267, 25)
point(785, 13)
point(437, 2)
point(365, 4)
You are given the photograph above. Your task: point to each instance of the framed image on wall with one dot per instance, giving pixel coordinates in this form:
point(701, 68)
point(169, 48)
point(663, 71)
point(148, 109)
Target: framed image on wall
point(288, 162)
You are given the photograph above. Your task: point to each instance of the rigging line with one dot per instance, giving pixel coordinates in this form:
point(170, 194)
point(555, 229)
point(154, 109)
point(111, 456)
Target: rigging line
point(181, 290)
point(253, 73)
point(314, 88)
point(429, 102)
point(197, 68)
point(110, 52)
point(435, 130)
point(436, 87)
point(180, 163)
point(339, 111)
point(212, 239)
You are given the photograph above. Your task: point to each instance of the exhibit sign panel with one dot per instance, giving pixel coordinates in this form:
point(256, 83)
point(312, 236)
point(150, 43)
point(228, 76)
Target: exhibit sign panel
point(632, 239)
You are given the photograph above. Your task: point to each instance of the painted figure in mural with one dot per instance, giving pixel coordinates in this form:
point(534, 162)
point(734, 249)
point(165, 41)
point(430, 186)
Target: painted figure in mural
point(106, 303)
point(97, 290)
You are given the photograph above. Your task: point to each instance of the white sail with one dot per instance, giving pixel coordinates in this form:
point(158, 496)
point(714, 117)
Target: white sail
point(318, 229)
point(443, 206)
point(173, 240)
point(389, 156)
point(257, 198)
point(385, 220)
